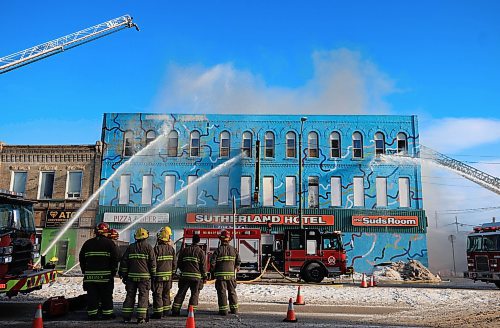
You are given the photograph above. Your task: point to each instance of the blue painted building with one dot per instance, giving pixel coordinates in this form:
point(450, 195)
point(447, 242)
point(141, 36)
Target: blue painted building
point(354, 178)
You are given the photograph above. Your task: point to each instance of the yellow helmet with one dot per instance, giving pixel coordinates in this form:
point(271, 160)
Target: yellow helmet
point(141, 233)
point(54, 259)
point(167, 230)
point(163, 235)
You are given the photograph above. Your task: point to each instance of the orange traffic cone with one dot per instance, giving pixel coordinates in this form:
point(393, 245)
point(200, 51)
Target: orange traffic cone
point(190, 319)
point(38, 321)
point(300, 298)
point(290, 314)
point(371, 283)
point(363, 282)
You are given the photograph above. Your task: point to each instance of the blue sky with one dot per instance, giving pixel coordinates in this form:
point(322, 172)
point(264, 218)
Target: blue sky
point(436, 59)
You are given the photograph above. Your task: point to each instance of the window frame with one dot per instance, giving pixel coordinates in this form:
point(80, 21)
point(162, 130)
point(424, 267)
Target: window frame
point(246, 151)
point(194, 149)
point(269, 137)
point(357, 149)
point(405, 140)
point(13, 180)
point(225, 151)
point(148, 138)
point(67, 185)
point(128, 148)
point(379, 136)
point(335, 136)
point(40, 185)
point(287, 148)
point(173, 135)
point(310, 149)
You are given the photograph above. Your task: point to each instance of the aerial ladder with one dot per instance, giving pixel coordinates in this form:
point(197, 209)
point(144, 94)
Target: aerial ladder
point(47, 49)
point(483, 179)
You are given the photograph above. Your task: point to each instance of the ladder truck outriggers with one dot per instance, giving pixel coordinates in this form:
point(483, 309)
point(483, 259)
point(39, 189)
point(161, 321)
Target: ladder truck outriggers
point(308, 254)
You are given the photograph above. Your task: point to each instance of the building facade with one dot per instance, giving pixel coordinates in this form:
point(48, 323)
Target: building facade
point(60, 178)
point(356, 176)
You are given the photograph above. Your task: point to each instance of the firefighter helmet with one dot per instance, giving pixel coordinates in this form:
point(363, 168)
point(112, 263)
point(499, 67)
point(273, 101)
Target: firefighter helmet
point(113, 234)
point(163, 235)
point(141, 233)
point(167, 230)
point(102, 229)
point(53, 259)
point(225, 235)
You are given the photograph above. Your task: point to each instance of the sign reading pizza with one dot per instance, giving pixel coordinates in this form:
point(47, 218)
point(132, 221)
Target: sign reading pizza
point(384, 221)
point(132, 217)
point(205, 218)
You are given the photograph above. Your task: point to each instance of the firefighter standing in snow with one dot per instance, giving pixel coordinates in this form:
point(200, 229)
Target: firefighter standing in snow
point(191, 263)
point(162, 279)
point(137, 267)
point(99, 261)
point(223, 264)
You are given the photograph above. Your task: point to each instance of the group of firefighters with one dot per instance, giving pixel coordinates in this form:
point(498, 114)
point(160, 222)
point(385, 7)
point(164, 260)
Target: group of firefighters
point(143, 268)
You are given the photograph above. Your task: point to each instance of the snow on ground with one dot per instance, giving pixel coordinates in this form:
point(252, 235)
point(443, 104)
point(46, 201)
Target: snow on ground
point(422, 306)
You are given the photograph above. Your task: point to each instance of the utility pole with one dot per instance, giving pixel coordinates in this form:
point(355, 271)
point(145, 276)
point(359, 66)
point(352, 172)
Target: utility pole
point(456, 224)
point(452, 238)
point(302, 120)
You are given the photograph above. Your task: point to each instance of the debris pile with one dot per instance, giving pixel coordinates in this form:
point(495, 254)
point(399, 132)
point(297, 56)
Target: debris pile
point(412, 270)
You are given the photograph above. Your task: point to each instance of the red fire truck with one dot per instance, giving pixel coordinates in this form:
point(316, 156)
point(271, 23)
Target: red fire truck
point(483, 253)
point(18, 247)
point(307, 253)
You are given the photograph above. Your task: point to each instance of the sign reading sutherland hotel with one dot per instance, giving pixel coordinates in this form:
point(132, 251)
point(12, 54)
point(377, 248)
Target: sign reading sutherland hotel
point(384, 221)
point(204, 218)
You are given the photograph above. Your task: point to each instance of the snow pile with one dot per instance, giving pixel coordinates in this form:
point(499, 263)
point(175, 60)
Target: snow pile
point(412, 270)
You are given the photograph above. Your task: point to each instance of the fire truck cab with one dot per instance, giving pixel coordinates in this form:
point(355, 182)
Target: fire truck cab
point(307, 253)
point(483, 253)
point(19, 247)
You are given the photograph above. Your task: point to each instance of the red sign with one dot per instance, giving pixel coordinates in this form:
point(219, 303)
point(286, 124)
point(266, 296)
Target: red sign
point(289, 219)
point(3, 286)
point(384, 221)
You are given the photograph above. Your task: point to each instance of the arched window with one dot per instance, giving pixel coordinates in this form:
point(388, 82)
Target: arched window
point(379, 144)
point(194, 144)
point(225, 145)
point(357, 145)
point(335, 145)
point(402, 143)
point(150, 136)
point(290, 145)
point(128, 143)
point(246, 145)
point(269, 144)
point(172, 143)
point(312, 144)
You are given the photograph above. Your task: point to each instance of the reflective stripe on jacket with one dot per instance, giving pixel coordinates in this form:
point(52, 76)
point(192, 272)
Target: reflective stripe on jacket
point(165, 261)
point(139, 262)
point(98, 259)
point(191, 262)
point(224, 262)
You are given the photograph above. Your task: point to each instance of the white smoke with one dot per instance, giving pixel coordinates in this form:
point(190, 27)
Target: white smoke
point(343, 82)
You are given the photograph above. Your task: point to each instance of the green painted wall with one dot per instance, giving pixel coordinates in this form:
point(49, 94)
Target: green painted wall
point(70, 236)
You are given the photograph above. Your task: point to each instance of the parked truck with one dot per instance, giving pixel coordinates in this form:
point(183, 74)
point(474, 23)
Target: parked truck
point(19, 247)
point(306, 253)
point(483, 253)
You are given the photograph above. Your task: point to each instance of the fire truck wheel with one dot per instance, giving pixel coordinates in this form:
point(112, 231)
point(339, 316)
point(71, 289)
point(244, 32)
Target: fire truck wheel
point(313, 273)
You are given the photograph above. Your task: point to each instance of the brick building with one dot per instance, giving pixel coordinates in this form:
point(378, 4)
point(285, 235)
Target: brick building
point(60, 178)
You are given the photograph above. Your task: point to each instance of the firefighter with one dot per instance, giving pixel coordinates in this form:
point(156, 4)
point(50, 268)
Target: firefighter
point(191, 263)
point(99, 261)
point(137, 267)
point(162, 280)
point(223, 264)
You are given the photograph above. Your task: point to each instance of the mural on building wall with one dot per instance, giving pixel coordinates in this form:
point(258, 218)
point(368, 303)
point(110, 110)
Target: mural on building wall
point(375, 134)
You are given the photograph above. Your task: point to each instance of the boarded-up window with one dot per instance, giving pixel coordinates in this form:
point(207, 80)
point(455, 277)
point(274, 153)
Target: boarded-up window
point(124, 197)
point(313, 192)
point(246, 186)
point(192, 190)
point(147, 189)
point(381, 186)
point(170, 189)
point(359, 191)
point(336, 191)
point(404, 192)
point(268, 191)
point(291, 191)
point(223, 190)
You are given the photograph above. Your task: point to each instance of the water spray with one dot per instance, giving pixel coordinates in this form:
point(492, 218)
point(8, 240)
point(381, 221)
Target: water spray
point(165, 131)
point(205, 176)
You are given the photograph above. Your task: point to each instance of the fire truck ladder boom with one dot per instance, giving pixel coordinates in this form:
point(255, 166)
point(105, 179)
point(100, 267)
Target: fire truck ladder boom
point(481, 178)
point(44, 50)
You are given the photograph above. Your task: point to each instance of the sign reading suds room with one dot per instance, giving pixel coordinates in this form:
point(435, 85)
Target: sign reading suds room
point(384, 221)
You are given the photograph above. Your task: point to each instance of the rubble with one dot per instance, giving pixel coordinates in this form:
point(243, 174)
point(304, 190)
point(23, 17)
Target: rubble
point(412, 270)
